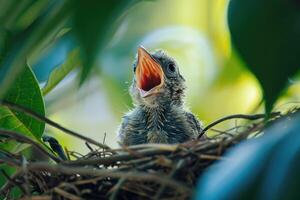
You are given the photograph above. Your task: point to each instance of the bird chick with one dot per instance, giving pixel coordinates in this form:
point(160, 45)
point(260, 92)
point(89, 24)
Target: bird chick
point(157, 91)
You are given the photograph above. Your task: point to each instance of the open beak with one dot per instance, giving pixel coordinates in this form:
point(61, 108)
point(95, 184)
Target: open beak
point(149, 74)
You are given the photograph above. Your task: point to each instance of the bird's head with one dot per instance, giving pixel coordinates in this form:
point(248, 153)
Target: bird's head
point(157, 80)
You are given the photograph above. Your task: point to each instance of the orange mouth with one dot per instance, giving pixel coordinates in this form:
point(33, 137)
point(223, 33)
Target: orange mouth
point(149, 74)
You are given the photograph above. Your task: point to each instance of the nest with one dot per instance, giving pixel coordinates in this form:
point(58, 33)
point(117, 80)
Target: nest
point(150, 171)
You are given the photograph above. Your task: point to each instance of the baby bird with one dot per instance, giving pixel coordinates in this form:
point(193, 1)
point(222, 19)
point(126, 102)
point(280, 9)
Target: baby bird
point(157, 91)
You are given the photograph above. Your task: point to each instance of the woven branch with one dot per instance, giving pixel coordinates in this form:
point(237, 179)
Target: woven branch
point(149, 171)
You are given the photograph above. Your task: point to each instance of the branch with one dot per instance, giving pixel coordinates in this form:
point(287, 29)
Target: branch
point(66, 194)
point(89, 171)
point(173, 172)
point(118, 157)
point(237, 116)
point(51, 123)
point(115, 190)
point(23, 138)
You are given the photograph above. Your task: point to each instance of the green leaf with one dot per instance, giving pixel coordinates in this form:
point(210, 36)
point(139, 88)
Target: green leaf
point(24, 92)
point(94, 24)
point(29, 42)
point(60, 72)
point(266, 33)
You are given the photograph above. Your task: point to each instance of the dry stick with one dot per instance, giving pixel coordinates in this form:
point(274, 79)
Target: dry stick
point(23, 138)
point(116, 158)
point(66, 185)
point(167, 147)
point(67, 153)
point(86, 181)
point(237, 116)
point(88, 171)
point(42, 197)
point(66, 194)
point(51, 123)
point(25, 176)
point(117, 188)
point(172, 173)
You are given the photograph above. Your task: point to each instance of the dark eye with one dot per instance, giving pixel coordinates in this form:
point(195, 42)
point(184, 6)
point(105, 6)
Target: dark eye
point(134, 68)
point(171, 67)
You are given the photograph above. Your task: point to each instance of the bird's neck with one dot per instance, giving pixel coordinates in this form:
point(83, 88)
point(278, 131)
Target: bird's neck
point(157, 116)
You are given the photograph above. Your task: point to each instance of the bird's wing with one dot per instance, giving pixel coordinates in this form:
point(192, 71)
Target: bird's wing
point(122, 128)
point(130, 131)
point(194, 122)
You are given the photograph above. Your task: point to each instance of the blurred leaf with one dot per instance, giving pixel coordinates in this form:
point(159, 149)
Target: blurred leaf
point(118, 95)
point(217, 26)
point(232, 70)
point(60, 72)
point(263, 168)
point(32, 13)
point(94, 24)
point(9, 171)
point(54, 55)
point(11, 12)
point(28, 42)
point(267, 36)
point(24, 92)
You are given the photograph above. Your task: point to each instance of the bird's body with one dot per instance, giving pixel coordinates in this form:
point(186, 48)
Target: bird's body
point(158, 125)
point(159, 115)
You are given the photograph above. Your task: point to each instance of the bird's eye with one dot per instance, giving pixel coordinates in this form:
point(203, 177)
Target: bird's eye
point(171, 67)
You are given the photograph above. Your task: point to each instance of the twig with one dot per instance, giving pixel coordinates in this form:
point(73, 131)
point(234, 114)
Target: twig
point(116, 158)
point(237, 116)
point(66, 194)
point(167, 147)
point(51, 123)
point(43, 197)
point(10, 183)
point(89, 146)
point(69, 186)
point(116, 189)
point(23, 138)
point(172, 173)
point(210, 157)
point(67, 153)
point(86, 181)
point(104, 138)
point(24, 169)
point(89, 171)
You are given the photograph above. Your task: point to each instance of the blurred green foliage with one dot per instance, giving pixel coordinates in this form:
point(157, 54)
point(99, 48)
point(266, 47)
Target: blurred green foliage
point(20, 43)
point(94, 24)
point(60, 72)
point(96, 40)
point(263, 168)
point(267, 36)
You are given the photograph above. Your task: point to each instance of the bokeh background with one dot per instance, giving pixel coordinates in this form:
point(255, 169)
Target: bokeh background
point(194, 32)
